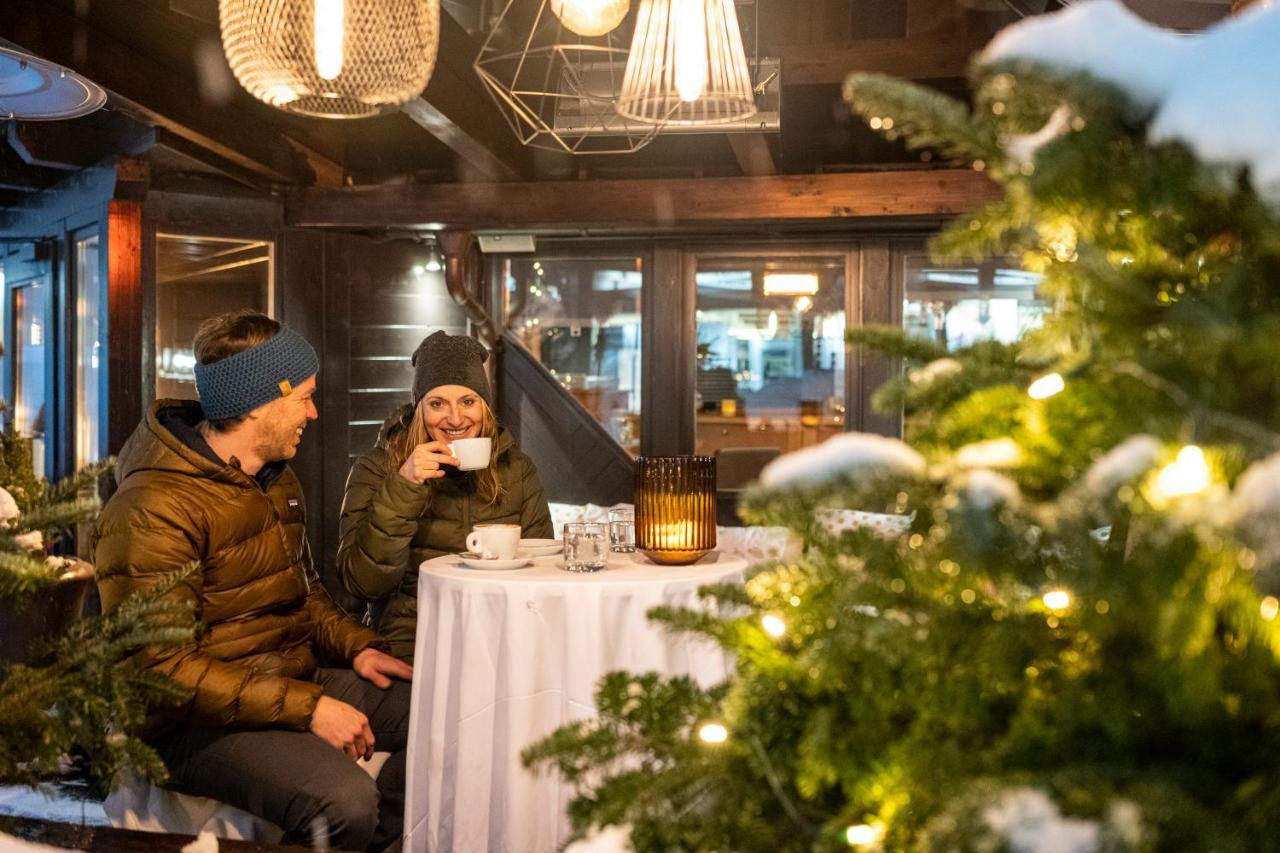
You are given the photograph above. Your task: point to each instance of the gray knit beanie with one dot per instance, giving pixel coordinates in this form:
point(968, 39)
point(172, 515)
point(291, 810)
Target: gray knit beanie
point(444, 359)
point(240, 383)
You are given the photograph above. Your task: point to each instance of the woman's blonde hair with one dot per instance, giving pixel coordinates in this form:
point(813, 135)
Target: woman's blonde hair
point(488, 484)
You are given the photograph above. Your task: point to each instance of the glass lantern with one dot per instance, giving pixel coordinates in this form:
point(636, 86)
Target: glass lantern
point(675, 508)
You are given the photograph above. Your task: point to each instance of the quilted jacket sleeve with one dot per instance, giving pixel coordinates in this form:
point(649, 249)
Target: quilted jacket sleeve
point(336, 633)
point(535, 515)
point(134, 547)
point(380, 513)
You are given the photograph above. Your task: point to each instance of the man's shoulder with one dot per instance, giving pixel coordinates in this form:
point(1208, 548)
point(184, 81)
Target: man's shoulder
point(158, 493)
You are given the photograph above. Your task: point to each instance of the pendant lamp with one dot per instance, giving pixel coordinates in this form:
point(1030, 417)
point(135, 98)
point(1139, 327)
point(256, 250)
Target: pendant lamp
point(590, 18)
point(331, 58)
point(34, 89)
point(687, 65)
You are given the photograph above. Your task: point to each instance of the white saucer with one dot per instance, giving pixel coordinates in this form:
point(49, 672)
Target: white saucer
point(540, 547)
point(475, 562)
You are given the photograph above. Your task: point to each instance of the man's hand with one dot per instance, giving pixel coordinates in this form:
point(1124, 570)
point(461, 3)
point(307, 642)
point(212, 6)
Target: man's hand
point(375, 666)
point(342, 727)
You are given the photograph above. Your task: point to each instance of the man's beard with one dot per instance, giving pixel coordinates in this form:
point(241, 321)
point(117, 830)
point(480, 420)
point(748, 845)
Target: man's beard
point(278, 445)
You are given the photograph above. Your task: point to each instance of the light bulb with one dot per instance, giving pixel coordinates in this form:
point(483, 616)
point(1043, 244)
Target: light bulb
point(862, 835)
point(590, 18)
point(713, 733)
point(329, 33)
point(1046, 386)
point(1186, 475)
point(773, 626)
point(689, 27)
point(1058, 599)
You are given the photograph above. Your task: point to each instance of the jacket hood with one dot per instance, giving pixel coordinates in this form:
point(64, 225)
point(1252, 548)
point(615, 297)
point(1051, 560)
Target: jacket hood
point(156, 446)
point(399, 421)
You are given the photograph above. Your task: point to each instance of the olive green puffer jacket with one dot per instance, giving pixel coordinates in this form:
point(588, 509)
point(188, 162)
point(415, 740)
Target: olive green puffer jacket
point(266, 614)
point(390, 526)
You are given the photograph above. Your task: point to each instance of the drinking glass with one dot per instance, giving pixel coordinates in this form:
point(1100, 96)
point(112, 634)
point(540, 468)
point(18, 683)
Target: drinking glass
point(622, 530)
point(586, 547)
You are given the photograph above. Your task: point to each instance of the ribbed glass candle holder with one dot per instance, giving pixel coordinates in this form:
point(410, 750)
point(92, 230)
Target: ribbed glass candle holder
point(675, 508)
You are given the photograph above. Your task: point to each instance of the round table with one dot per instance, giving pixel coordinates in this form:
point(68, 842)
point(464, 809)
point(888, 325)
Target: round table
point(502, 658)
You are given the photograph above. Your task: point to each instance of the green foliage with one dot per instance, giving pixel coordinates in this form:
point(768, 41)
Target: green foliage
point(84, 693)
point(79, 692)
point(928, 685)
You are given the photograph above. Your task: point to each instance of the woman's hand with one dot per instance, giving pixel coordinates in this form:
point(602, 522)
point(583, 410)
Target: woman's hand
point(424, 462)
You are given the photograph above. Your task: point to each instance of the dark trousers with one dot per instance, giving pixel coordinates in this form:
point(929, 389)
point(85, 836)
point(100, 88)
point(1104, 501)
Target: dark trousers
point(291, 778)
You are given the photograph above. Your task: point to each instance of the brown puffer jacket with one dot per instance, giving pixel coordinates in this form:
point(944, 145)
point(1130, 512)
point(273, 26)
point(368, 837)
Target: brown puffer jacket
point(390, 525)
point(256, 592)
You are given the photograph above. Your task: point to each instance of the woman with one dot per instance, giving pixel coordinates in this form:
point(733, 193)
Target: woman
point(406, 501)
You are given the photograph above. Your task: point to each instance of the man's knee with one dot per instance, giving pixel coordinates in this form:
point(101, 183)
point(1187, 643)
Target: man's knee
point(349, 808)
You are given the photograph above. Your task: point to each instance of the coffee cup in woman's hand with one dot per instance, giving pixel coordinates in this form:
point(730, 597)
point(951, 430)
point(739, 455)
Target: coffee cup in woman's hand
point(472, 453)
point(427, 461)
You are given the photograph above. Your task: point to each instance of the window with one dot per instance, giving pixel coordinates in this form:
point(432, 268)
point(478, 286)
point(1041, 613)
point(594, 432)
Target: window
point(197, 278)
point(89, 330)
point(961, 305)
point(28, 334)
point(771, 351)
point(581, 319)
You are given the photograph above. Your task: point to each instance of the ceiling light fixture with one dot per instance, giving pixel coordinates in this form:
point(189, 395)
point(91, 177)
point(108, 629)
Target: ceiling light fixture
point(687, 65)
point(33, 89)
point(590, 18)
point(331, 58)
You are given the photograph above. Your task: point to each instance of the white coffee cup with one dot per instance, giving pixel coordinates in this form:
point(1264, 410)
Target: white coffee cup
point(494, 541)
point(472, 453)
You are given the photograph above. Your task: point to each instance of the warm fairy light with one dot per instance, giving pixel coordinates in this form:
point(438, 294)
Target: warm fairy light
point(591, 18)
point(773, 626)
point(713, 733)
point(1046, 386)
point(689, 26)
point(1186, 475)
point(1270, 607)
point(1057, 599)
point(862, 835)
point(329, 33)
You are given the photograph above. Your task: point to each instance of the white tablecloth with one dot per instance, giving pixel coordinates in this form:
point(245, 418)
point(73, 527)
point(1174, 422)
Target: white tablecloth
point(504, 658)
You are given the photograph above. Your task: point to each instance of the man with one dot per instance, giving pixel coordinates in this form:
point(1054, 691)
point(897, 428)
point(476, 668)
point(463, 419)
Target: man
point(265, 729)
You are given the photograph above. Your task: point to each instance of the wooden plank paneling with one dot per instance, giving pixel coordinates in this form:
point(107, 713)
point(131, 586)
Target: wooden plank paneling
point(392, 371)
point(881, 304)
point(668, 353)
point(662, 203)
point(125, 364)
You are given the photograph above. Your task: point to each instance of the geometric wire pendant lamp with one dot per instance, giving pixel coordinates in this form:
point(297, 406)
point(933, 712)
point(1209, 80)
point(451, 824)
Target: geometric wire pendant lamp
point(331, 58)
point(556, 88)
point(687, 65)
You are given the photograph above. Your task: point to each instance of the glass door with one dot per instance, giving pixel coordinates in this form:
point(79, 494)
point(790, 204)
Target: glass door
point(28, 333)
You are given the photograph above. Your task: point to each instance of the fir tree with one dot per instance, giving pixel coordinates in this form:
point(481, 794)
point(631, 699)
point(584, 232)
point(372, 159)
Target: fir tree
point(77, 693)
point(1073, 639)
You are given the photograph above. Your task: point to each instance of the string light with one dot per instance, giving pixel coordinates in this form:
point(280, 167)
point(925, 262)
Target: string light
point(1046, 386)
point(773, 626)
point(862, 834)
point(713, 733)
point(1057, 599)
point(1270, 607)
point(1186, 475)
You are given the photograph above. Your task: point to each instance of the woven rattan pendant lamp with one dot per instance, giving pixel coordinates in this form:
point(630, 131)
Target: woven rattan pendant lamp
point(687, 65)
point(331, 58)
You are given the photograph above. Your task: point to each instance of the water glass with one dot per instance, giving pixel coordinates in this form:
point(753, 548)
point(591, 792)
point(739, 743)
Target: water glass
point(622, 530)
point(586, 547)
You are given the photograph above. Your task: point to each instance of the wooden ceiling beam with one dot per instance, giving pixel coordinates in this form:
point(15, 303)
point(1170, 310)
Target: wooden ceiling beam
point(751, 150)
point(655, 203)
point(151, 92)
point(456, 109)
point(932, 55)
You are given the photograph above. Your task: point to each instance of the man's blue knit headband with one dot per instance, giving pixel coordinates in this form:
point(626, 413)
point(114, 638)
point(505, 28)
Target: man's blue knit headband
point(241, 383)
